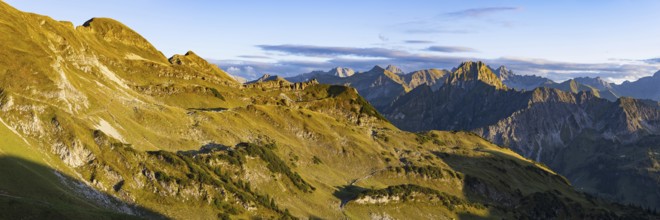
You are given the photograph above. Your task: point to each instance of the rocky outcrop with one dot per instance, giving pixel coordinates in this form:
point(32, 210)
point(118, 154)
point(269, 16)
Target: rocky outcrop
point(377, 199)
point(168, 90)
point(202, 67)
point(468, 74)
point(278, 83)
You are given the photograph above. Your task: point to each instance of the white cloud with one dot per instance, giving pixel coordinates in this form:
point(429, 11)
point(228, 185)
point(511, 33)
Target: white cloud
point(365, 58)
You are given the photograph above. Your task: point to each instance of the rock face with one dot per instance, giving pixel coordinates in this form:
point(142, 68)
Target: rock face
point(341, 72)
point(546, 124)
point(469, 74)
point(276, 82)
point(434, 78)
point(394, 69)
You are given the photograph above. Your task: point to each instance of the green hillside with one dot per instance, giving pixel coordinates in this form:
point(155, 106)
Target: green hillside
point(98, 124)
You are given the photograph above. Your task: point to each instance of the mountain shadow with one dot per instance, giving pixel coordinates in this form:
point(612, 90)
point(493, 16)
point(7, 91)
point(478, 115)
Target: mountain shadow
point(535, 193)
point(346, 193)
point(30, 190)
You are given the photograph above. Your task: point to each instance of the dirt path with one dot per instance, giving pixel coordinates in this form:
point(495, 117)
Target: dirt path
point(366, 176)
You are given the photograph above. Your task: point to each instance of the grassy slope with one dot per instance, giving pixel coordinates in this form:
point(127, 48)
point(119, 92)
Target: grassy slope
point(100, 81)
point(29, 187)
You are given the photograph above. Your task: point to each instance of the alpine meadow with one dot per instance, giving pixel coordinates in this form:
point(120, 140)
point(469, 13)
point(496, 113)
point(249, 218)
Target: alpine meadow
point(98, 123)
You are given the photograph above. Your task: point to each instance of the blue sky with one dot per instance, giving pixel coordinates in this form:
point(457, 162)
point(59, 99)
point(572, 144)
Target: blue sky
point(616, 40)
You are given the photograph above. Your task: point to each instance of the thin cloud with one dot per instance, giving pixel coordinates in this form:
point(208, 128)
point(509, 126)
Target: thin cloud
point(432, 30)
point(321, 51)
point(560, 71)
point(254, 57)
point(652, 61)
point(419, 42)
point(393, 56)
point(480, 12)
point(468, 21)
point(450, 49)
point(362, 59)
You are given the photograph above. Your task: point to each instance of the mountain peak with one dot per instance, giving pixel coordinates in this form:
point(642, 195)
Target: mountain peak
point(191, 53)
point(188, 58)
point(114, 31)
point(596, 82)
point(270, 78)
point(470, 72)
point(503, 73)
point(394, 69)
point(502, 67)
point(192, 60)
point(377, 68)
point(657, 74)
point(341, 72)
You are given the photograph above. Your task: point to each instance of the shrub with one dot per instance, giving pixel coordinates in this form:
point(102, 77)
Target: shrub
point(316, 160)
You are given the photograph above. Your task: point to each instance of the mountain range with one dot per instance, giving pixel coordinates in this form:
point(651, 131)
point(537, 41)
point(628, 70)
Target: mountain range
point(96, 123)
point(574, 133)
point(605, 145)
point(643, 88)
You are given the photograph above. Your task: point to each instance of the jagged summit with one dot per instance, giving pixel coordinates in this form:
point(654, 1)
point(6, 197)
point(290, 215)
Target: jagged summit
point(468, 73)
point(378, 71)
point(394, 69)
point(596, 82)
point(341, 72)
point(431, 77)
point(503, 73)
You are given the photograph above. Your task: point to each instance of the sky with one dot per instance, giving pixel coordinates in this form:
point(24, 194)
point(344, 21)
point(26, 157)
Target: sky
point(561, 39)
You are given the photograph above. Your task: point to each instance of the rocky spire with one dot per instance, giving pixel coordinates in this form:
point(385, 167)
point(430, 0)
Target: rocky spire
point(469, 73)
point(394, 69)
